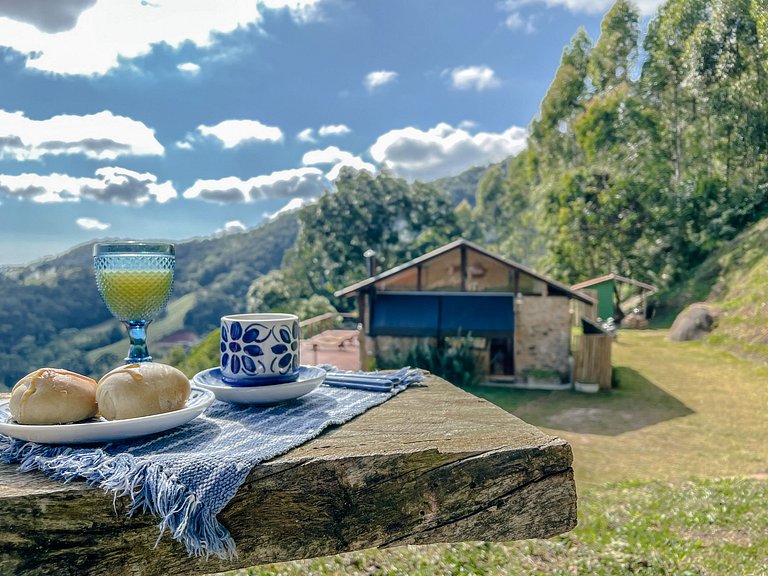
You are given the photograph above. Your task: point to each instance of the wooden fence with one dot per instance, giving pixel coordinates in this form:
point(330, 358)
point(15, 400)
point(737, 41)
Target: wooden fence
point(592, 360)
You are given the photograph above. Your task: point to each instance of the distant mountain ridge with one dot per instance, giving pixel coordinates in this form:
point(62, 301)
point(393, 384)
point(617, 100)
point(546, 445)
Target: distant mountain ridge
point(463, 186)
point(51, 312)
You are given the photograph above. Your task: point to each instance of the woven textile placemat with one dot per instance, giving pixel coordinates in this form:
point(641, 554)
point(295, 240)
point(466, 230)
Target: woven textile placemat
point(186, 476)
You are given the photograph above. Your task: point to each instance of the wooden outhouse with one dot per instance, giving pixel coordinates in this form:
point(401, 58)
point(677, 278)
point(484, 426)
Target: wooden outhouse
point(519, 319)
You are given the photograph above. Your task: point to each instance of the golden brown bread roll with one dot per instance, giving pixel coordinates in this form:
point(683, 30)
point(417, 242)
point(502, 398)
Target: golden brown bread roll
point(53, 396)
point(143, 389)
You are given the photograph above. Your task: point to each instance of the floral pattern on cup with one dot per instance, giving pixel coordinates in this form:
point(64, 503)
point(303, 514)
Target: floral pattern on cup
point(256, 349)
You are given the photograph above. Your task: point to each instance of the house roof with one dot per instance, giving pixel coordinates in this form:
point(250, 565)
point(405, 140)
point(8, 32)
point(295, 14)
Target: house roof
point(350, 290)
point(616, 278)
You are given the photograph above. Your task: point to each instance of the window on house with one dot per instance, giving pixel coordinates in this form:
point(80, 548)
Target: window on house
point(443, 272)
point(406, 280)
point(488, 275)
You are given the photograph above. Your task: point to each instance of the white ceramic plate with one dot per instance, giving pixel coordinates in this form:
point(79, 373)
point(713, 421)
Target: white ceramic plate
point(310, 377)
point(101, 430)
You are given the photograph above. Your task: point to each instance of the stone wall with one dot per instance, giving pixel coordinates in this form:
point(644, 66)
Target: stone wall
point(542, 337)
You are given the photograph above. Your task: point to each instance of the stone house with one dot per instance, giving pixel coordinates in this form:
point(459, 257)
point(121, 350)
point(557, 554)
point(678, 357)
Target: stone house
point(520, 320)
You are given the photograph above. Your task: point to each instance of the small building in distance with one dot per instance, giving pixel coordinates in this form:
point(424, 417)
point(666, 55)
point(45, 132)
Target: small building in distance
point(519, 320)
point(618, 297)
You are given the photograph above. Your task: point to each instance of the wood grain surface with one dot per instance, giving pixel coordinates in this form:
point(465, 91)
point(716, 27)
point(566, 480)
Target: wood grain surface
point(434, 464)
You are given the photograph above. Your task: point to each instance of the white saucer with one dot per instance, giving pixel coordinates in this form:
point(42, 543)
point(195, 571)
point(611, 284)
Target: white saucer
point(101, 430)
point(310, 377)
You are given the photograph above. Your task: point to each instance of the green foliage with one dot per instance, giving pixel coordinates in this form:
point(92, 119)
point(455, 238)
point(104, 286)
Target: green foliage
point(612, 59)
point(315, 305)
point(269, 293)
point(453, 359)
point(462, 186)
point(203, 356)
point(564, 99)
point(643, 172)
point(397, 220)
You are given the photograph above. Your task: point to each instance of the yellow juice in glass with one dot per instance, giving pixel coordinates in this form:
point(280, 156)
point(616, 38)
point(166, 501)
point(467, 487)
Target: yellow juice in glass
point(135, 294)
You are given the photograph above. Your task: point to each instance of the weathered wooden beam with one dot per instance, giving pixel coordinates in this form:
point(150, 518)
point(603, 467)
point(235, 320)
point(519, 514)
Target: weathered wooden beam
point(434, 464)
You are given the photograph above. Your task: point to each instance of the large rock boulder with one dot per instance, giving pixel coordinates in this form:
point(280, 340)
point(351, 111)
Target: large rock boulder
point(693, 323)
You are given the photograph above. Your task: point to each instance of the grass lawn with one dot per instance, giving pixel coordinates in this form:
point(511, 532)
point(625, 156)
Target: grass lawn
point(678, 410)
point(708, 527)
point(670, 468)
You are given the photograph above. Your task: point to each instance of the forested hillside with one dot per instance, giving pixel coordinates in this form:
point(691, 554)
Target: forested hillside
point(51, 312)
point(647, 153)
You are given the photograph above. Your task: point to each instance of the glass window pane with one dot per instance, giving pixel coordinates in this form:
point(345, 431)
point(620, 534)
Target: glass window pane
point(443, 272)
point(488, 275)
point(405, 280)
point(530, 285)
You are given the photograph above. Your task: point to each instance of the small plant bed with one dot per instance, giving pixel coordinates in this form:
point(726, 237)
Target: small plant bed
point(543, 379)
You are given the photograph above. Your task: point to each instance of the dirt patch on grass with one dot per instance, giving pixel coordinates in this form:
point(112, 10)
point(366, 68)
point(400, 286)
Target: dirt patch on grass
point(574, 418)
point(714, 536)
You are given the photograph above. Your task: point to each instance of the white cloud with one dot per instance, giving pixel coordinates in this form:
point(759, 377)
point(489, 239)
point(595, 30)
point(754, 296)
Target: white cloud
point(110, 184)
point(379, 78)
point(101, 136)
point(293, 204)
point(339, 158)
point(91, 224)
point(334, 130)
point(235, 132)
point(91, 38)
point(443, 150)
point(354, 162)
point(646, 7)
point(329, 155)
point(301, 10)
point(516, 21)
point(473, 78)
point(297, 182)
point(306, 135)
point(189, 68)
point(232, 226)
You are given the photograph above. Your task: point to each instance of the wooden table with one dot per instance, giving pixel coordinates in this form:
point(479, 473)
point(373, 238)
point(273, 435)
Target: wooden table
point(434, 464)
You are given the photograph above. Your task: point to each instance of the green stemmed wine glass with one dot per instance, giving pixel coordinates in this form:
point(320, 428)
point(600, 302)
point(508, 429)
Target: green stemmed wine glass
point(135, 280)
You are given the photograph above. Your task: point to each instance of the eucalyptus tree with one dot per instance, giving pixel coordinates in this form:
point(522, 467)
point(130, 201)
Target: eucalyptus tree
point(552, 132)
point(612, 60)
point(663, 74)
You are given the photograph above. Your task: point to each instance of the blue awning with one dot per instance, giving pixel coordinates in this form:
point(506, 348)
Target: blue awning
point(438, 315)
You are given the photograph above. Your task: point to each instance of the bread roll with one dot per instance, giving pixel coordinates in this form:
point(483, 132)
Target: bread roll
point(53, 396)
point(143, 389)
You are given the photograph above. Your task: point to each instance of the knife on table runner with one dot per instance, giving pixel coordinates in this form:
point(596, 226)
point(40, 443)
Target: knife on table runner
point(373, 382)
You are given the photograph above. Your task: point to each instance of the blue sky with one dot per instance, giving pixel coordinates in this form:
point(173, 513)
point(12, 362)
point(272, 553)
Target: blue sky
point(173, 119)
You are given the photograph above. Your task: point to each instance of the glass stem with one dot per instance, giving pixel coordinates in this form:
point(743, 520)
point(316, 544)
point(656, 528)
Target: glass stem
point(137, 333)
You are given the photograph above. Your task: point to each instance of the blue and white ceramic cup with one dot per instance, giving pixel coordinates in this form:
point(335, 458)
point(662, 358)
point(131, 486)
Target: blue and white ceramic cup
point(259, 349)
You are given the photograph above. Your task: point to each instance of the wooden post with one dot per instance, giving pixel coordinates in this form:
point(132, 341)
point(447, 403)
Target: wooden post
point(592, 360)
